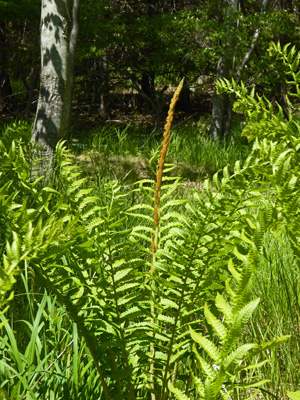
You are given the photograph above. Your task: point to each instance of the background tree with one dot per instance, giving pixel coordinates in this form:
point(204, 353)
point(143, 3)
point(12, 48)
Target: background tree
point(59, 31)
point(222, 103)
point(18, 49)
point(5, 87)
point(132, 53)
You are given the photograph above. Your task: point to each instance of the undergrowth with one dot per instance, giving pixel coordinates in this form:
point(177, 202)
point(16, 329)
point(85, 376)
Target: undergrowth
point(124, 153)
point(148, 295)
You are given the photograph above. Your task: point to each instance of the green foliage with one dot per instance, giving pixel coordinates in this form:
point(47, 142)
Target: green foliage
point(14, 10)
point(294, 395)
point(12, 159)
point(124, 154)
point(173, 325)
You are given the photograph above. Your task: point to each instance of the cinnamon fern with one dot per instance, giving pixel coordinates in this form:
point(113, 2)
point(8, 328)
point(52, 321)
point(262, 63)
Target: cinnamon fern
point(160, 291)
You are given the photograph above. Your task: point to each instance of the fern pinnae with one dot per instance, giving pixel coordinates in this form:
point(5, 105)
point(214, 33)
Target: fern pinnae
point(118, 271)
point(215, 323)
point(210, 348)
point(179, 395)
point(223, 306)
point(119, 327)
point(205, 366)
point(217, 386)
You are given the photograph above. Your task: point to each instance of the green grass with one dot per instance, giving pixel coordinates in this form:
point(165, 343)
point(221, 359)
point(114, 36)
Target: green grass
point(42, 355)
point(124, 153)
point(277, 283)
point(40, 333)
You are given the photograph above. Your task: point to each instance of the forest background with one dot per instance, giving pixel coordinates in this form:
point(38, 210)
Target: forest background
point(131, 54)
point(139, 287)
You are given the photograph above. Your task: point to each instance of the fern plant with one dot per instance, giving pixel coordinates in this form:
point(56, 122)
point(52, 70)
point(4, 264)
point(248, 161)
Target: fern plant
point(160, 291)
point(222, 363)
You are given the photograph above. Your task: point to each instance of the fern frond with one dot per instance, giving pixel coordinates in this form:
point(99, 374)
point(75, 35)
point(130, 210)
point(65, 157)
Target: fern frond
point(177, 393)
point(207, 345)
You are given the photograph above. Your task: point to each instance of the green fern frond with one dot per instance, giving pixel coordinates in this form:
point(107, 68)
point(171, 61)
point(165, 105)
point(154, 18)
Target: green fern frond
point(236, 356)
point(224, 307)
point(206, 367)
point(215, 323)
point(207, 345)
point(179, 395)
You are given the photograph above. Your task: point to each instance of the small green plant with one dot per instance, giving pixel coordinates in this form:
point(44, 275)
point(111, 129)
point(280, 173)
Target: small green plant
point(16, 131)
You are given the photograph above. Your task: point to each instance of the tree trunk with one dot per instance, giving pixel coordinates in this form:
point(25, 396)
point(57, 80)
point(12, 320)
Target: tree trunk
point(220, 101)
point(147, 85)
point(219, 106)
point(72, 54)
point(32, 83)
point(5, 88)
point(104, 76)
point(184, 101)
point(58, 44)
point(241, 67)
point(222, 104)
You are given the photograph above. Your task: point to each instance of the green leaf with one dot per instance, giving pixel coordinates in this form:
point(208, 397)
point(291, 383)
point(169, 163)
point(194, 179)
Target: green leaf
point(237, 355)
point(205, 366)
point(294, 395)
point(223, 306)
point(246, 312)
point(177, 393)
point(215, 323)
point(207, 345)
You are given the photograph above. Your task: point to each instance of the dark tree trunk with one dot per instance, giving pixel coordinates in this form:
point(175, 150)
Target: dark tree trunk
point(104, 76)
point(280, 95)
point(147, 85)
point(184, 101)
point(5, 87)
point(147, 81)
point(32, 83)
point(220, 102)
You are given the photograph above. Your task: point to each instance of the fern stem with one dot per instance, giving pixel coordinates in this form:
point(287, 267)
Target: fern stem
point(175, 369)
point(154, 243)
point(190, 377)
point(123, 340)
point(180, 304)
point(113, 358)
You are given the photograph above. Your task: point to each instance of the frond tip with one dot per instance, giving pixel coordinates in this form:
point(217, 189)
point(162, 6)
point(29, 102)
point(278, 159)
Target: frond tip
point(163, 151)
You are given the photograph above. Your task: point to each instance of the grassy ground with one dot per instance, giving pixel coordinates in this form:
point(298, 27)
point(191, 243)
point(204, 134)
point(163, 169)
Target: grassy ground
point(125, 153)
point(277, 284)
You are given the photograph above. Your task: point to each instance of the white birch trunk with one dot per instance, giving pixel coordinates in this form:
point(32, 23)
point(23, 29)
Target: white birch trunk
point(222, 104)
point(218, 113)
point(57, 71)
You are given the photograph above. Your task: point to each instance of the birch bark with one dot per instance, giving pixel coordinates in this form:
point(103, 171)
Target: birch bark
point(58, 45)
